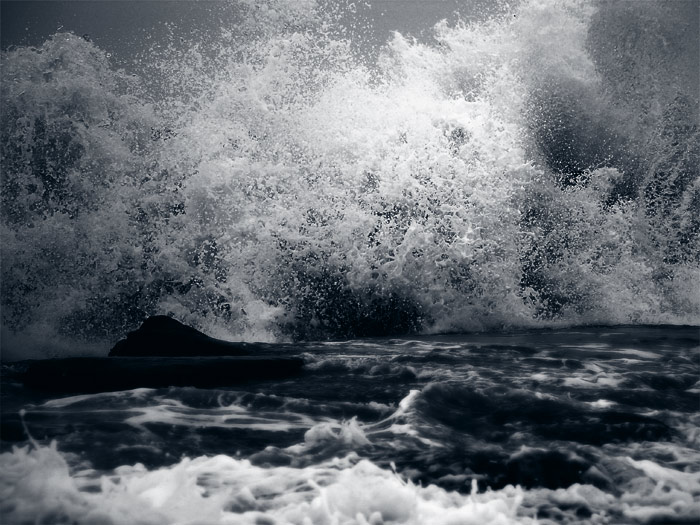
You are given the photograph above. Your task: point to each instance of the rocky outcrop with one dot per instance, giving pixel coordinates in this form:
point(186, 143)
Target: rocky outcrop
point(108, 374)
point(162, 336)
point(164, 352)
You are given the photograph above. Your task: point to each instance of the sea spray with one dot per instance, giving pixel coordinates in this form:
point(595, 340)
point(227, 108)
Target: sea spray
point(222, 489)
point(538, 168)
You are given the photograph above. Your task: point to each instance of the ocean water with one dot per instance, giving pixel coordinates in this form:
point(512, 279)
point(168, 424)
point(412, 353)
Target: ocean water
point(524, 176)
point(595, 425)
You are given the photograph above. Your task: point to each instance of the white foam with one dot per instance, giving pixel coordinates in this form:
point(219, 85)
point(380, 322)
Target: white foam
point(63, 402)
point(640, 353)
point(232, 416)
point(601, 403)
point(348, 433)
point(597, 381)
point(687, 481)
point(36, 485)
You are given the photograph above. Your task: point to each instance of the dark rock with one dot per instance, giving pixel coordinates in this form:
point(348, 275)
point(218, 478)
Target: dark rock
point(160, 335)
point(107, 374)
point(161, 353)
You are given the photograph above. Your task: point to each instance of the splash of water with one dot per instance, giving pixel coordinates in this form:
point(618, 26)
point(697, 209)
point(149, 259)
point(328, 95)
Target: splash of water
point(537, 168)
point(222, 489)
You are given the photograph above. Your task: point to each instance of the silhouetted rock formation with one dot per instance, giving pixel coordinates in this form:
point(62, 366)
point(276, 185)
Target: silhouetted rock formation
point(164, 352)
point(160, 335)
point(107, 374)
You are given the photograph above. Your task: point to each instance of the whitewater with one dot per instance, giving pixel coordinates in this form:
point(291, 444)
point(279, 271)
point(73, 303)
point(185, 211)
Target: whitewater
point(526, 180)
point(536, 169)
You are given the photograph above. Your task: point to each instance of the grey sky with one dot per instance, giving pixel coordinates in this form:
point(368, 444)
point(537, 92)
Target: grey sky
point(126, 27)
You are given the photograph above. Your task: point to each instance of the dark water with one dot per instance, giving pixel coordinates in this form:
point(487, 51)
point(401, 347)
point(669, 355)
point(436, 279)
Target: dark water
point(595, 425)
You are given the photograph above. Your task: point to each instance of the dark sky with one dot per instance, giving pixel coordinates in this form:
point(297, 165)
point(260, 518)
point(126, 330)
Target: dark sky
point(126, 27)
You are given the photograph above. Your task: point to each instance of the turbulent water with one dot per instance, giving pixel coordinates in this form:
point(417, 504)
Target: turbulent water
point(532, 172)
point(274, 180)
point(596, 426)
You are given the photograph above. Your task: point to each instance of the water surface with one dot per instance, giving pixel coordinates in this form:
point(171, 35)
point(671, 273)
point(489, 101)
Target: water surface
point(593, 425)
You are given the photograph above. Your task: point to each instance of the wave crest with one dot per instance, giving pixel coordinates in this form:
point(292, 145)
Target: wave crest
point(515, 173)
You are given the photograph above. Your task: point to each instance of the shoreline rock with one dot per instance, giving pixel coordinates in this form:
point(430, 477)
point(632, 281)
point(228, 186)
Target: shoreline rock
point(108, 374)
point(162, 353)
point(163, 336)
